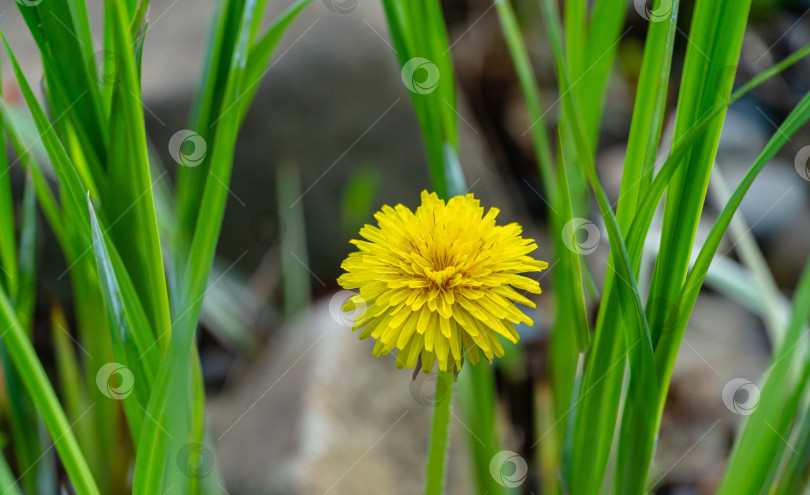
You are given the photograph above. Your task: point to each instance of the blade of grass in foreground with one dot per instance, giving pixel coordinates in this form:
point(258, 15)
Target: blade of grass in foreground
point(36, 382)
point(132, 203)
point(715, 43)
point(153, 447)
point(740, 473)
point(8, 485)
point(637, 435)
point(758, 449)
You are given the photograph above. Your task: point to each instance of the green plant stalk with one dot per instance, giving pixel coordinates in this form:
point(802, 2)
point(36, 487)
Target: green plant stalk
point(738, 474)
point(74, 396)
point(606, 21)
point(715, 44)
point(604, 378)
point(42, 393)
point(637, 436)
point(148, 271)
point(796, 469)
point(8, 484)
point(417, 30)
point(745, 470)
point(174, 374)
point(477, 397)
point(439, 435)
point(295, 278)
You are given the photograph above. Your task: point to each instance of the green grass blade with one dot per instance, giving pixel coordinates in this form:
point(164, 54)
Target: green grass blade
point(174, 374)
point(8, 484)
point(131, 334)
point(208, 107)
point(25, 299)
point(36, 382)
point(70, 385)
point(652, 198)
point(648, 116)
point(606, 23)
point(294, 257)
point(795, 474)
point(69, 180)
point(420, 38)
point(131, 199)
point(477, 396)
point(23, 420)
point(636, 443)
point(671, 340)
point(8, 247)
point(566, 344)
point(761, 440)
point(715, 43)
point(262, 51)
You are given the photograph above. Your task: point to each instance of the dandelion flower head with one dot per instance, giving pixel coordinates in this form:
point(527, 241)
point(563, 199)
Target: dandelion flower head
point(440, 283)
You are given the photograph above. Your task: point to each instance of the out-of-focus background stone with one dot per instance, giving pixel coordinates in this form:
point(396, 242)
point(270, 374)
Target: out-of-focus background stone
point(316, 415)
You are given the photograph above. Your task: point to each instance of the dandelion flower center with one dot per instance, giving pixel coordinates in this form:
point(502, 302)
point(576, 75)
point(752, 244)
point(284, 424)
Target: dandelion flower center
point(440, 283)
point(441, 277)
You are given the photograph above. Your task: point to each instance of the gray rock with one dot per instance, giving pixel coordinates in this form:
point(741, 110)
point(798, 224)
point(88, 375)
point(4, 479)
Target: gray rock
point(316, 414)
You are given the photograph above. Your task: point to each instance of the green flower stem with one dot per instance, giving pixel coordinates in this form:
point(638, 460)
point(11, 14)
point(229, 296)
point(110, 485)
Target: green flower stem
point(439, 434)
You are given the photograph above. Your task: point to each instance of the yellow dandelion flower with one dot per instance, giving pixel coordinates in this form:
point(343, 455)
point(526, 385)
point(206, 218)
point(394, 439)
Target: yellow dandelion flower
point(440, 283)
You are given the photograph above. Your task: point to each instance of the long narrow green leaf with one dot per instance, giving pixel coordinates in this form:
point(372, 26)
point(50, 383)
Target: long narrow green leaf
point(262, 51)
point(795, 474)
point(174, 374)
point(8, 484)
point(652, 198)
point(638, 426)
point(70, 385)
point(128, 326)
point(137, 237)
point(8, 247)
point(36, 382)
point(761, 437)
point(670, 340)
point(715, 41)
point(73, 195)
